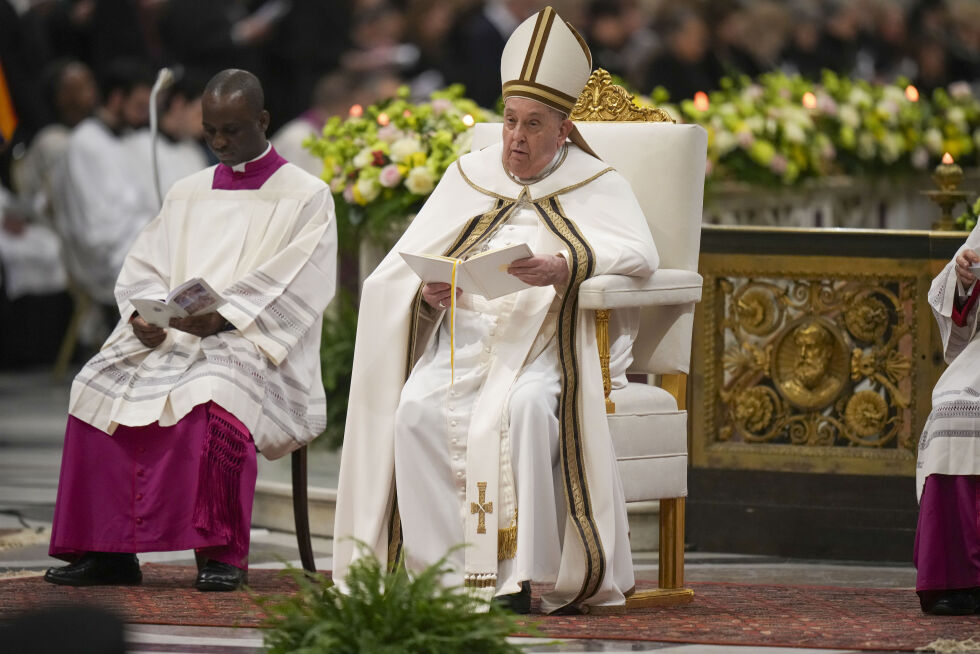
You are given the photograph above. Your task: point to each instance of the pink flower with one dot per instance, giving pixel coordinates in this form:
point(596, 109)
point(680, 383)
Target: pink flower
point(349, 194)
point(440, 105)
point(389, 134)
point(826, 105)
point(778, 164)
point(745, 138)
point(960, 90)
point(390, 176)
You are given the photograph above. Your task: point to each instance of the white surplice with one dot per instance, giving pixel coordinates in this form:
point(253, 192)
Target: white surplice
point(35, 174)
point(528, 378)
point(31, 259)
point(271, 253)
point(98, 209)
point(950, 440)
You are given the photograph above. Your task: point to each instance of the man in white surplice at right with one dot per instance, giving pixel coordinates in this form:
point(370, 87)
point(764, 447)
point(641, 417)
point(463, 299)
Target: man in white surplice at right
point(482, 422)
point(947, 541)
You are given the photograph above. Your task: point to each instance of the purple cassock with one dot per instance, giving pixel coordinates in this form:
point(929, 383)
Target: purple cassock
point(156, 489)
point(947, 541)
point(153, 488)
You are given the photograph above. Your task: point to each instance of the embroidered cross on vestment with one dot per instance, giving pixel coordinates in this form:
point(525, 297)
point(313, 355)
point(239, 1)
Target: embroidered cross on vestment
point(482, 507)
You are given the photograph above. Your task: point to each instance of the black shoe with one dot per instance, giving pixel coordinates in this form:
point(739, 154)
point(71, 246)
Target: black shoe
point(519, 603)
point(98, 569)
point(216, 575)
point(954, 602)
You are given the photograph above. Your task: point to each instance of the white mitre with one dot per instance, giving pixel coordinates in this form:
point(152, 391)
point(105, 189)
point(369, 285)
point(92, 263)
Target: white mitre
point(546, 60)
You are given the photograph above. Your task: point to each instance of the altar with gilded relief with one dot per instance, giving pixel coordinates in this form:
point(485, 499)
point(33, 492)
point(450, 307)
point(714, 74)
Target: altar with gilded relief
point(814, 359)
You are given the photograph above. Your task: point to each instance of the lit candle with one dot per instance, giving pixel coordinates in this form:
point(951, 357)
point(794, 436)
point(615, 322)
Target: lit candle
point(468, 120)
point(948, 175)
point(809, 100)
point(912, 93)
point(356, 110)
point(383, 119)
point(701, 101)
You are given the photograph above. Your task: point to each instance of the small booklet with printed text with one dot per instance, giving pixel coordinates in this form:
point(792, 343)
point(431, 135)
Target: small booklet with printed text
point(191, 298)
point(482, 274)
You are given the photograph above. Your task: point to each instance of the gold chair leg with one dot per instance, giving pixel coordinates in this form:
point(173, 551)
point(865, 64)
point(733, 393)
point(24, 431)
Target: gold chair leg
point(671, 578)
point(602, 343)
point(69, 341)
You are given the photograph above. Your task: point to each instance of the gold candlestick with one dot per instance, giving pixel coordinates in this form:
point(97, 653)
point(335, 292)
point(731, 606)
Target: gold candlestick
point(947, 176)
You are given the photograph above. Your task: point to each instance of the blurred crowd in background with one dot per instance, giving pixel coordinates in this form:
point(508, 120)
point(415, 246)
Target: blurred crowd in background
point(360, 49)
point(75, 180)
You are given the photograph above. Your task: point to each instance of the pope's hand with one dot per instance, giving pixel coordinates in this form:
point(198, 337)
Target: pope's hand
point(149, 335)
point(437, 295)
point(203, 325)
point(540, 270)
point(964, 260)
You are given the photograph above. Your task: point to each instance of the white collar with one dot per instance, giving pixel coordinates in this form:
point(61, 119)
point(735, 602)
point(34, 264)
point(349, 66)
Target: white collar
point(240, 167)
point(485, 171)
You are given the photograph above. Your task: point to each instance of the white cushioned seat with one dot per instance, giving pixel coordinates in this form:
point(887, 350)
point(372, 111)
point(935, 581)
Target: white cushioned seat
point(650, 439)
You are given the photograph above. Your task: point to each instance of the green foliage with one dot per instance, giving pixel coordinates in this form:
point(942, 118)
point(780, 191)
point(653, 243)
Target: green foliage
point(969, 218)
point(337, 362)
point(385, 612)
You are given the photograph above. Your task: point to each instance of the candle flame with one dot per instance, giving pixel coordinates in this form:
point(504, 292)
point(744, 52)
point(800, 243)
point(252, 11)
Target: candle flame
point(356, 110)
point(809, 100)
point(468, 120)
point(912, 93)
point(701, 101)
point(383, 119)
point(947, 158)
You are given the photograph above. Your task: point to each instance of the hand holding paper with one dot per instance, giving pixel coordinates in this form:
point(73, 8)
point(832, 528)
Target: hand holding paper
point(438, 294)
point(540, 270)
point(193, 297)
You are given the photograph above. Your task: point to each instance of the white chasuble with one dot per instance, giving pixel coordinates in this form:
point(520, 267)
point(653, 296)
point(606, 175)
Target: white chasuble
point(270, 252)
point(536, 340)
point(950, 440)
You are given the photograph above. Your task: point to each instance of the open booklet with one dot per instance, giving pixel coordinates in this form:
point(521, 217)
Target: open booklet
point(482, 274)
point(191, 298)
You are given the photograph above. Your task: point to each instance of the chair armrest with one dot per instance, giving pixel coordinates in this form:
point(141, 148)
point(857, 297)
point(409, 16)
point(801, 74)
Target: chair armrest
point(664, 287)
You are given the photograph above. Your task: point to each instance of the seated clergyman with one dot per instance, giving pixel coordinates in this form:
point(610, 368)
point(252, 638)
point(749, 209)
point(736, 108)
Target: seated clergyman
point(482, 421)
point(164, 423)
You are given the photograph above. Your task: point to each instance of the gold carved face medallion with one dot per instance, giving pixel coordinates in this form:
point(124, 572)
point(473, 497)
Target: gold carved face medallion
point(809, 364)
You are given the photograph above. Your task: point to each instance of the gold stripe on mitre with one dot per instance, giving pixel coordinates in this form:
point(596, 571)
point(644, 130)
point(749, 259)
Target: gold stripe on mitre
point(544, 94)
point(539, 38)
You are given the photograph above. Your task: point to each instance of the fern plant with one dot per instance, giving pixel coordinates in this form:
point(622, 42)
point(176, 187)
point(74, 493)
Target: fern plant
point(385, 612)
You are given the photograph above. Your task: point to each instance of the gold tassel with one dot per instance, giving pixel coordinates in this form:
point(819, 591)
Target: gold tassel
point(507, 541)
